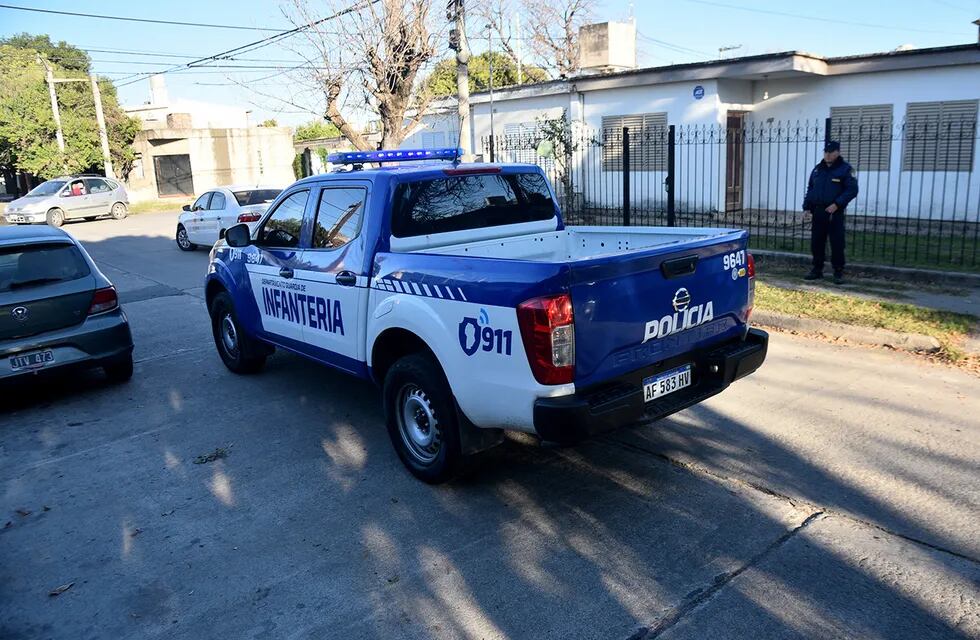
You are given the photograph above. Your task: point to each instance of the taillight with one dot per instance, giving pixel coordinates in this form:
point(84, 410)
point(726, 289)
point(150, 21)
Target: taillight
point(103, 300)
point(751, 268)
point(548, 331)
point(249, 217)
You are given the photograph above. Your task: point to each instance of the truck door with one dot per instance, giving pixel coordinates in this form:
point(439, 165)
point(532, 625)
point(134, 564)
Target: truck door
point(271, 269)
point(335, 275)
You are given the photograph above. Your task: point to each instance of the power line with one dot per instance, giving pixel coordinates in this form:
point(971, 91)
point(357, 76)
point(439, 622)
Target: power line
point(258, 44)
point(130, 19)
point(820, 19)
point(671, 46)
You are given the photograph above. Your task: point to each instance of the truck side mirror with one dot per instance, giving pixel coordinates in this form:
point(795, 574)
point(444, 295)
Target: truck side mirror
point(238, 236)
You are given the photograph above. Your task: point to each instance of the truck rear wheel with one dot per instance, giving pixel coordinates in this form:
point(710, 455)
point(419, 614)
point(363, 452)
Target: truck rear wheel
point(239, 352)
point(421, 418)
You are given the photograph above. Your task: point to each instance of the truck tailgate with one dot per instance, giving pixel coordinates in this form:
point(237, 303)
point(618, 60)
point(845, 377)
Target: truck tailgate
point(638, 309)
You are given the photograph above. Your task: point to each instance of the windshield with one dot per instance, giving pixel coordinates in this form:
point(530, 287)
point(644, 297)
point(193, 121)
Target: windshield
point(49, 188)
point(38, 264)
point(470, 202)
point(256, 196)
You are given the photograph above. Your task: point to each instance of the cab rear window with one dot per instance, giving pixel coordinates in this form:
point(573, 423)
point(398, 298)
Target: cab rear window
point(256, 196)
point(35, 265)
point(475, 201)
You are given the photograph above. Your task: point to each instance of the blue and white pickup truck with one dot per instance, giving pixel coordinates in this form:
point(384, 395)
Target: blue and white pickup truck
point(458, 288)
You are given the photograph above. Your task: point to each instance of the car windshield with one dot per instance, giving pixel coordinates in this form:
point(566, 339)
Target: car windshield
point(49, 188)
point(34, 265)
point(256, 196)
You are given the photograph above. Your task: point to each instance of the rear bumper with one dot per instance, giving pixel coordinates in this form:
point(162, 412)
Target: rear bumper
point(620, 402)
point(98, 340)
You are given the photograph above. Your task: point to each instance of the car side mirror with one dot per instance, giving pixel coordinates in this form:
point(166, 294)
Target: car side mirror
point(186, 207)
point(238, 236)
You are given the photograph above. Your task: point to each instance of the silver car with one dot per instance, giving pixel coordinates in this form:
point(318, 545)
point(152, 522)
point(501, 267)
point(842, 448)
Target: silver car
point(57, 309)
point(69, 197)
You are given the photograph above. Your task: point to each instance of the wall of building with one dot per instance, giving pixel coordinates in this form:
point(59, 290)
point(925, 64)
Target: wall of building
point(217, 156)
point(785, 103)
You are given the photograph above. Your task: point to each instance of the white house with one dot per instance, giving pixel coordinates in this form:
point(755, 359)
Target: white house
point(748, 129)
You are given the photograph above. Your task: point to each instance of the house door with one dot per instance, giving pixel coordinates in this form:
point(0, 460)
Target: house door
point(735, 160)
point(173, 175)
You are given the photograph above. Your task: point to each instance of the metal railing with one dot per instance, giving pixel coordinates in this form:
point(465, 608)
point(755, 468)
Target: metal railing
point(918, 205)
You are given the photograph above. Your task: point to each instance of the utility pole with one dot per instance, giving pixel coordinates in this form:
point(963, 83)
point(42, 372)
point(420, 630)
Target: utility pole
point(99, 115)
point(459, 44)
point(100, 119)
point(54, 103)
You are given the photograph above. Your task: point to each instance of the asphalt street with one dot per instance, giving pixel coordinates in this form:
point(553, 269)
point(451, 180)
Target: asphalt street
point(833, 494)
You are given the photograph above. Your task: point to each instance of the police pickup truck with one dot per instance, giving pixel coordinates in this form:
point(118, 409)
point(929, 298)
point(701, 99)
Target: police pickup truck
point(458, 289)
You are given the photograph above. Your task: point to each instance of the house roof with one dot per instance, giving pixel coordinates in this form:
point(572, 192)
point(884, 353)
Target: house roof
point(783, 64)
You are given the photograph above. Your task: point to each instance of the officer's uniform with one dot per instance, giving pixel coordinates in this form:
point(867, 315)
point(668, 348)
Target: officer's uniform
point(835, 184)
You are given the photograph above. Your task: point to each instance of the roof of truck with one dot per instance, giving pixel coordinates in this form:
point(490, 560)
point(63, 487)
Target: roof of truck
point(421, 170)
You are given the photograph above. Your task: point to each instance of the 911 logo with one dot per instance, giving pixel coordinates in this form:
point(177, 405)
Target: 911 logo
point(483, 336)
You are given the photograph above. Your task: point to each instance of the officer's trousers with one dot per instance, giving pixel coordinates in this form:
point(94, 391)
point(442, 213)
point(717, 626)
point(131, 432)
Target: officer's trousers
point(827, 226)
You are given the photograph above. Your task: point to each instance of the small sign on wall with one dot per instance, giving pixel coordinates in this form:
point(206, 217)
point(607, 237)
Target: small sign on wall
point(698, 92)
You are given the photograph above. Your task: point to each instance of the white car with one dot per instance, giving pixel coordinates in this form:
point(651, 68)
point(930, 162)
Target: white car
point(205, 221)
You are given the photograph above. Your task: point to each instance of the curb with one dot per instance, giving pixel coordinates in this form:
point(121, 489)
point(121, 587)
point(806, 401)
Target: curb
point(925, 276)
point(871, 336)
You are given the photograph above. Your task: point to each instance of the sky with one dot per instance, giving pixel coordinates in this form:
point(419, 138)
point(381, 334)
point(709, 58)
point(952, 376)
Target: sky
point(669, 32)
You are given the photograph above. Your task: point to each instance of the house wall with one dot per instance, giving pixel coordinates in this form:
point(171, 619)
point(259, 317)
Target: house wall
point(218, 157)
point(776, 166)
point(893, 192)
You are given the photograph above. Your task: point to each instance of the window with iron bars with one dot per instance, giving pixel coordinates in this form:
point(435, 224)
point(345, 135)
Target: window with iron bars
point(648, 142)
point(865, 135)
point(939, 136)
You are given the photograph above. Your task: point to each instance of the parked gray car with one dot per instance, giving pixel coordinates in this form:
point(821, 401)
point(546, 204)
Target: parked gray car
point(69, 197)
point(56, 308)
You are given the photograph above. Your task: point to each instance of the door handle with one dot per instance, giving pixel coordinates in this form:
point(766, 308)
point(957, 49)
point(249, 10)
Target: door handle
point(346, 279)
point(286, 272)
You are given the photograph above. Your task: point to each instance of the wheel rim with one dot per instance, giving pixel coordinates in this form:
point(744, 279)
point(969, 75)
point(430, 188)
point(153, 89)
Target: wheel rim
point(229, 336)
point(182, 238)
point(58, 218)
point(118, 210)
point(417, 424)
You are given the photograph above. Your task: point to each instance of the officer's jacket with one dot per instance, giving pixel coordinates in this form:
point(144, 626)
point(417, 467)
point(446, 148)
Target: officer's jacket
point(834, 184)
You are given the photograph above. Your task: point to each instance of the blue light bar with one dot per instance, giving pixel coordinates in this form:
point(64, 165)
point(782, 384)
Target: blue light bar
point(398, 155)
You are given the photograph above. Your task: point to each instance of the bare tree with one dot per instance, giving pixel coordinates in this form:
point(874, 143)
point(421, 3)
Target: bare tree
point(550, 27)
point(368, 62)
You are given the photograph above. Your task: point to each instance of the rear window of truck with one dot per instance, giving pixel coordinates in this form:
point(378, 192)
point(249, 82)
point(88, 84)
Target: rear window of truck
point(35, 265)
point(474, 201)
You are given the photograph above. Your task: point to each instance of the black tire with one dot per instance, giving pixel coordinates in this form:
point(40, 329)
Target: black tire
point(118, 211)
point(183, 242)
point(120, 370)
point(416, 384)
point(56, 217)
point(240, 353)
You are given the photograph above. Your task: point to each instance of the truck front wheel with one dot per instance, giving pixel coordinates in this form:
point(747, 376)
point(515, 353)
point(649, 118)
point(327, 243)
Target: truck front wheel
point(238, 351)
point(421, 417)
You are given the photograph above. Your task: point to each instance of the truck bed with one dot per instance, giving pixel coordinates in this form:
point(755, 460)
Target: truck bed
point(579, 243)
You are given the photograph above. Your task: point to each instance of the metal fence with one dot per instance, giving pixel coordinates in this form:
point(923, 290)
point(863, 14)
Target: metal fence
point(918, 206)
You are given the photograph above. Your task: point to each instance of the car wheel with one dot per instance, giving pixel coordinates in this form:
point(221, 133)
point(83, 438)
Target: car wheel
point(120, 370)
point(183, 241)
point(421, 417)
point(56, 217)
point(118, 211)
point(240, 353)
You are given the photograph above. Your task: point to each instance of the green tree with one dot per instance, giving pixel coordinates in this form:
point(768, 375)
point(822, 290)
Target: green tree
point(27, 128)
point(271, 122)
point(442, 80)
point(314, 130)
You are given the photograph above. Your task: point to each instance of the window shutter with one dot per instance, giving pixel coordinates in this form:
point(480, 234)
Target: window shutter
point(939, 136)
point(648, 142)
point(865, 135)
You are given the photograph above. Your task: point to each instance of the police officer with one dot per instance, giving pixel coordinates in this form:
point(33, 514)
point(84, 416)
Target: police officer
point(832, 186)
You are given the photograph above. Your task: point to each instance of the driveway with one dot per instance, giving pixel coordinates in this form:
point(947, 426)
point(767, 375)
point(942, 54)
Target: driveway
point(835, 493)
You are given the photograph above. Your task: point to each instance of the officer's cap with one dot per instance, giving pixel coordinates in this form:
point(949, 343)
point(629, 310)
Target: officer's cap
point(832, 145)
